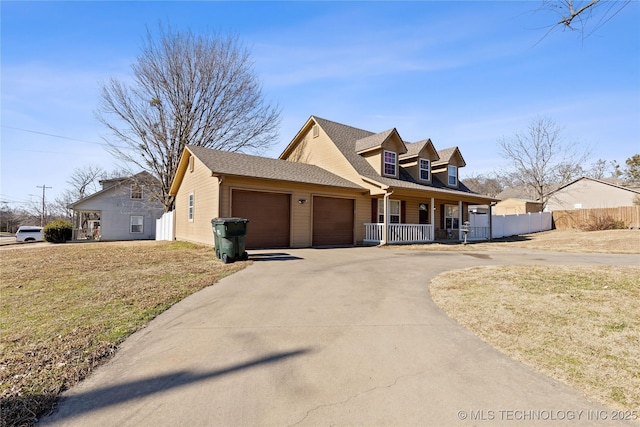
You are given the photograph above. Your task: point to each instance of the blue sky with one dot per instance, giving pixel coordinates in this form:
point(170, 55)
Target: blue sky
point(461, 73)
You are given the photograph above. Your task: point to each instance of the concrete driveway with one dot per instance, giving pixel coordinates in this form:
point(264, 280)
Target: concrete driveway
point(339, 337)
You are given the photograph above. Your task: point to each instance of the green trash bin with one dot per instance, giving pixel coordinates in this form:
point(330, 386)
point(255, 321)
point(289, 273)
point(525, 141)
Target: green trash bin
point(228, 238)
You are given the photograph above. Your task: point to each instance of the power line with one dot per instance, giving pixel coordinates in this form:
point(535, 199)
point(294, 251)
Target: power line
point(53, 135)
point(103, 144)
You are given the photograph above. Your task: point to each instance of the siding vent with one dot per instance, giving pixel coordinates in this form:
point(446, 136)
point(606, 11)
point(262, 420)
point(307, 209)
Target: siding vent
point(314, 131)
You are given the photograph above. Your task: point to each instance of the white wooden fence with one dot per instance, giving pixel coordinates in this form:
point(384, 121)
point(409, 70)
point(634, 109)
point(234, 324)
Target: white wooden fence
point(509, 225)
point(164, 226)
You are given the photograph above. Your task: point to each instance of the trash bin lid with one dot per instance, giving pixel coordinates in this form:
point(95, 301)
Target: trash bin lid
point(227, 220)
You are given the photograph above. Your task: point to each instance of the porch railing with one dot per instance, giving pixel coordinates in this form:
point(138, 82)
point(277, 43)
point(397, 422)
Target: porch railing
point(399, 233)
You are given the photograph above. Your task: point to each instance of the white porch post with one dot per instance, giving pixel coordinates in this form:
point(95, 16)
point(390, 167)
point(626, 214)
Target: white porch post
point(460, 220)
point(385, 209)
point(385, 219)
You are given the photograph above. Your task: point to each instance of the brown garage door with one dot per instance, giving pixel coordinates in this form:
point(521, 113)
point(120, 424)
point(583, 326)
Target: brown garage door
point(332, 221)
point(268, 215)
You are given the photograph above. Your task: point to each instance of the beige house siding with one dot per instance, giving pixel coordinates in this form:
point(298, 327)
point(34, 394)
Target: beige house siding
point(516, 206)
point(375, 160)
point(301, 213)
point(590, 194)
point(412, 209)
point(205, 190)
point(322, 152)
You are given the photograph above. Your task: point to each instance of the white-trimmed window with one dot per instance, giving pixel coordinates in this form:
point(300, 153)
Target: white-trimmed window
point(425, 169)
point(136, 191)
point(451, 217)
point(390, 163)
point(394, 211)
point(191, 207)
point(452, 172)
point(136, 224)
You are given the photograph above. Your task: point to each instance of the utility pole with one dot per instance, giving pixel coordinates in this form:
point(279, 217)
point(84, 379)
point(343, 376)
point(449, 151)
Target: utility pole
point(44, 188)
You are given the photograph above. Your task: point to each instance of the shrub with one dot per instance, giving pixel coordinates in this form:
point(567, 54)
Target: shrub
point(58, 231)
point(604, 223)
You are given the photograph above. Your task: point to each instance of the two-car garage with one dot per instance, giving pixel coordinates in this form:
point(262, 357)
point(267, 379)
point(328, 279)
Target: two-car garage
point(269, 215)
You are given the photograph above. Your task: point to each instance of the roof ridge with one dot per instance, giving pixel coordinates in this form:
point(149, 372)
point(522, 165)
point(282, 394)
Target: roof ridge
point(343, 125)
point(596, 180)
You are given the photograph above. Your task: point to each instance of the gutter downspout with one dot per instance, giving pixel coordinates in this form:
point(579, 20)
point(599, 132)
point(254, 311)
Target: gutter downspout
point(220, 179)
point(385, 222)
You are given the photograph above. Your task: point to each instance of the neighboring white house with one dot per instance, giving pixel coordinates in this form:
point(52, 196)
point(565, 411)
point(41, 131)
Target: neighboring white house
point(590, 193)
point(122, 210)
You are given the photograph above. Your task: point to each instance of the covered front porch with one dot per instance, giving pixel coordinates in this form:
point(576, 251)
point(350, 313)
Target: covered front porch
point(420, 233)
point(439, 221)
point(86, 225)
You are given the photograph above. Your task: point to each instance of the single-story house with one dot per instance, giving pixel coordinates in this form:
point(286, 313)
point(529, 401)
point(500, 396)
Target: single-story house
point(124, 209)
point(514, 205)
point(590, 193)
point(332, 185)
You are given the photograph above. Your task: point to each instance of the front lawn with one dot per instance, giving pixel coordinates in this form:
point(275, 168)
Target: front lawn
point(65, 308)
point(578, 324)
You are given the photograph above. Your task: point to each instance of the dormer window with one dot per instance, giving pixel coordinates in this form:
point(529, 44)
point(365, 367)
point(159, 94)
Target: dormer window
point(425, 170)
point(390, 163)
point(452, 172)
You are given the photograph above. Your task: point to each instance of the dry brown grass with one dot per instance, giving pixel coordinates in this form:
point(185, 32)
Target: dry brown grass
point(606, 241)
point(578, 324)
point(65, 309)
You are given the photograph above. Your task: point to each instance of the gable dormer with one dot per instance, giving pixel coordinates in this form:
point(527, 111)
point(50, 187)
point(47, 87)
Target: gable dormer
point(382, 151)
point(418, 160)
point(446, 169)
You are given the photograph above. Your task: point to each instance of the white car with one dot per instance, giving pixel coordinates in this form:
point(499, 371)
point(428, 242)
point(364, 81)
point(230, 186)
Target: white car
point(29, 233)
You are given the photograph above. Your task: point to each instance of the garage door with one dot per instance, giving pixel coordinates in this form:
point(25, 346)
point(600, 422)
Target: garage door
point(268, 215)
point(332, 221)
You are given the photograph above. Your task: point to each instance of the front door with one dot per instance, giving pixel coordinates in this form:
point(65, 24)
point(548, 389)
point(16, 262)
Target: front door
point(423, 213)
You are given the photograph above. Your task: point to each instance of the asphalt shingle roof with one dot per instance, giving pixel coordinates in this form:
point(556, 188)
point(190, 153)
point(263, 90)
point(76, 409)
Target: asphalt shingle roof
point(346, 137)
point(445, 156)
point(413, 148)
point(229, 163)
point(373, 141)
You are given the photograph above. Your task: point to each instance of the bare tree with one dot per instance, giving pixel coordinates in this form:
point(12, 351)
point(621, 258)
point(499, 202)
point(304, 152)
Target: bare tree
point(541, 159)
point(187, 89)
point(60, 206)
point(84, 180)
point(482, 184)
point(8, 218)
point(584, 16)
point(599, 169)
